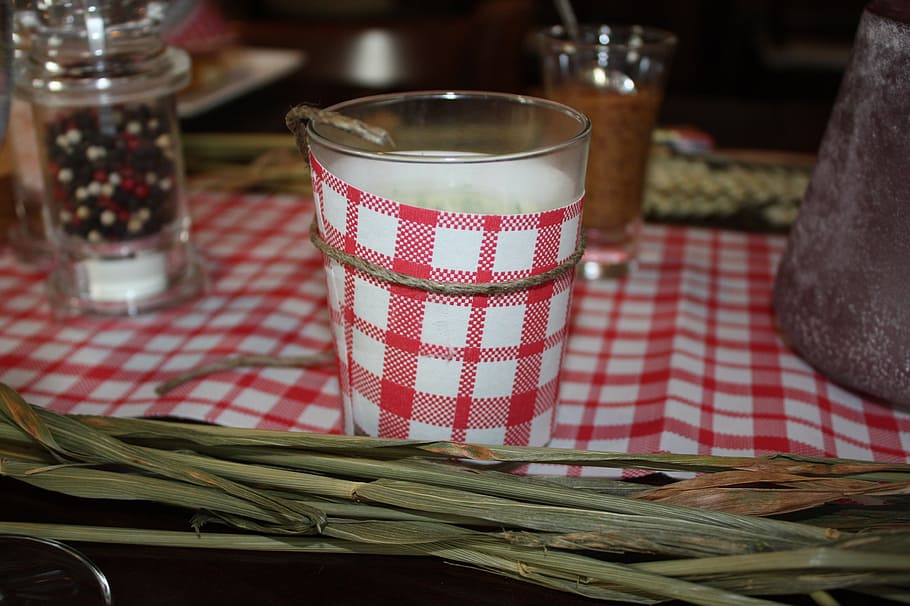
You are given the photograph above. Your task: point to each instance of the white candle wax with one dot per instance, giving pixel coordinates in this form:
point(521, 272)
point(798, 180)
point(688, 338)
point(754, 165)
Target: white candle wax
point(500, 187)
point(116, 280)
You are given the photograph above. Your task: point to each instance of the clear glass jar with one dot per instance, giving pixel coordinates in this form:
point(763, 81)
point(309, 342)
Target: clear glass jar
point(102, 86)
point(26, 233)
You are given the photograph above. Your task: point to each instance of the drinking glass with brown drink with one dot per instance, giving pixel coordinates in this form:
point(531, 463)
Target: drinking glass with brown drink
point(616, 75)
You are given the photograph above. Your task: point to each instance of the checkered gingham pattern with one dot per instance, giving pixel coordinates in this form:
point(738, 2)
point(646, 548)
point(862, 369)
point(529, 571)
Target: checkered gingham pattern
point(415, 364)
point(682, 356)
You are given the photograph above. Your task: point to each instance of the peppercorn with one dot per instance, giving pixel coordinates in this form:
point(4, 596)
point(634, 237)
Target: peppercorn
point(112, 168)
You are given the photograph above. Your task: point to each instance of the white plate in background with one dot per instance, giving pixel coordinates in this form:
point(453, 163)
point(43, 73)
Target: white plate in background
point(247, 70)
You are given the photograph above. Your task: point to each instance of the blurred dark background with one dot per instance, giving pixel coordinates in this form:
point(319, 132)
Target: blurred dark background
point(751, 73)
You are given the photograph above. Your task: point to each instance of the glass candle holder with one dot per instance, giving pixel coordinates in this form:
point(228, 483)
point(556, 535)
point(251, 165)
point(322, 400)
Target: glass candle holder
point(26, 235)
point(450, 260)
point(47, 572)
point(102, 87)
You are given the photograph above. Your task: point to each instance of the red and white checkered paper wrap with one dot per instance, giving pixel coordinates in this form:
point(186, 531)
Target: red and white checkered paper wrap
point(680, 357)
point(419, 365)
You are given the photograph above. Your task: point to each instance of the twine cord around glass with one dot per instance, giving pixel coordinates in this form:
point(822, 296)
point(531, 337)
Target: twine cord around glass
point(461, 289)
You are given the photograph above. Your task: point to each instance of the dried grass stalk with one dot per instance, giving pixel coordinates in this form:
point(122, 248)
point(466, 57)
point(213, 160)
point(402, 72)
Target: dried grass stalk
point(346, 494)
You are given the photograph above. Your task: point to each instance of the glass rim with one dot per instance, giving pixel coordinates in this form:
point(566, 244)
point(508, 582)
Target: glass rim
point(582, 133)
point(103, 586)
point(656, 38)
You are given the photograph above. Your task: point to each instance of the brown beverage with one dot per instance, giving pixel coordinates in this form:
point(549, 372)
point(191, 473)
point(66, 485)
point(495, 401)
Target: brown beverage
point(620, 145)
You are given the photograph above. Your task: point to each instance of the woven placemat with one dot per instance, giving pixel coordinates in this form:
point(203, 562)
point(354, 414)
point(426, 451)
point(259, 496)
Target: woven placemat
point(722, 191)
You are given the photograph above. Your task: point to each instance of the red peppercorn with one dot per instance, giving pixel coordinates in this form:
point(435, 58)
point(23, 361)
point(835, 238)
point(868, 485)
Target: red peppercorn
point(141, 191)
point(100, 176)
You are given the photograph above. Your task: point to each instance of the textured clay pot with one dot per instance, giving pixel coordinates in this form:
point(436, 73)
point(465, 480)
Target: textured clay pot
point(842, 293)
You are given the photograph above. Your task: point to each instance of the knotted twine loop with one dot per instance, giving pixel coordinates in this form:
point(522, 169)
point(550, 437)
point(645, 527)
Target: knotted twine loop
point(296, 121)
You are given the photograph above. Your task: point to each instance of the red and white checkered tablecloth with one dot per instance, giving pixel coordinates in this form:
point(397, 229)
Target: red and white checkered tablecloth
point(681, 357)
